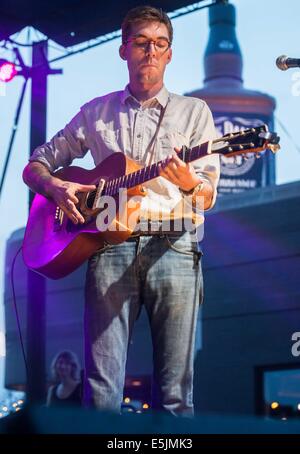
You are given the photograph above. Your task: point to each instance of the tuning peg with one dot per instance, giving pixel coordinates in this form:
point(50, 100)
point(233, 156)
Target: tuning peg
point(274, 147)
point(251, 144)
point(241, 147)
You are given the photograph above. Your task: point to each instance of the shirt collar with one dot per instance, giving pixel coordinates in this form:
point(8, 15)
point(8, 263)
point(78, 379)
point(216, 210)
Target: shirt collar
point(161, 97)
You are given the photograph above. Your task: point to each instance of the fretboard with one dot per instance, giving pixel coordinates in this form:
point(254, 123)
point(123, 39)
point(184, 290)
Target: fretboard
point(148, 173)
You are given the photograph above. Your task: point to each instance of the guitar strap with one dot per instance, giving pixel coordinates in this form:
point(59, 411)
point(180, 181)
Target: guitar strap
point(151, 146)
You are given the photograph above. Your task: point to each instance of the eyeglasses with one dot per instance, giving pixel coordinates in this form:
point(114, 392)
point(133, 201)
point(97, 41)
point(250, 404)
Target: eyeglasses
point(160, 44)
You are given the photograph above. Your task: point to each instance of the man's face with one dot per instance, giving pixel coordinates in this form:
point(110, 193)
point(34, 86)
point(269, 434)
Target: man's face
point(147, 63)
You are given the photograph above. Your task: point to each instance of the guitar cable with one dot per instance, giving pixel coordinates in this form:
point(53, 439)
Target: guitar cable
point(16, 308)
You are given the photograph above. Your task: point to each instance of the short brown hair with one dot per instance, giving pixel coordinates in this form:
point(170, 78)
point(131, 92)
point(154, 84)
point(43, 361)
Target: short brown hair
point(145, 14)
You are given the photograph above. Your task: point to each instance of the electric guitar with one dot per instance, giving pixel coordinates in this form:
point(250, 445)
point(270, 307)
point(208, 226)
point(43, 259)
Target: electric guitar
point(54, 247)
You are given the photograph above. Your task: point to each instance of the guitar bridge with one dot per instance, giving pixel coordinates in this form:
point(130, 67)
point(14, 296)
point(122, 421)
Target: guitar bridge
point(58, 219)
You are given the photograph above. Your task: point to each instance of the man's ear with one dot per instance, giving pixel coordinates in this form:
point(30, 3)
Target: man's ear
point(122, 53)
point(169, 55)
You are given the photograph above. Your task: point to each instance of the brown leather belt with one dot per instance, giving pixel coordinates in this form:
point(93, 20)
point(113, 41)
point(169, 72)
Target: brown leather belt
point(158, 228)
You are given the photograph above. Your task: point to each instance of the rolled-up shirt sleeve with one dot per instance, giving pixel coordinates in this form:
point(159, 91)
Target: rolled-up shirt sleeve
point(68, 144)
point(208, 167)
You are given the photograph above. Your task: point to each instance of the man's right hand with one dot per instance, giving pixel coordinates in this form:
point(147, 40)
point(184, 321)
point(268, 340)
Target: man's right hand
point(64, 194)
point(40, 180)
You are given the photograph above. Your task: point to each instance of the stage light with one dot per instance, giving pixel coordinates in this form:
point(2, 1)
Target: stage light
point(274, 405)
point(145, 406)
point(127, 400)
point(7, 71)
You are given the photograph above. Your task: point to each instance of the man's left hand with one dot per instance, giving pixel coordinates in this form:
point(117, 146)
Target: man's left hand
point(180, 173)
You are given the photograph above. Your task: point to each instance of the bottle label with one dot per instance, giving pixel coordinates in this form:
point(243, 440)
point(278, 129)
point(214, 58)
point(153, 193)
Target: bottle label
point(243, 172)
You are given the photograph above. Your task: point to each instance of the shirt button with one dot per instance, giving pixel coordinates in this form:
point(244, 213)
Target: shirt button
point(139, 136)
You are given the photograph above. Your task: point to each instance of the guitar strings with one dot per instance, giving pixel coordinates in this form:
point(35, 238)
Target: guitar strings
point(111, 186)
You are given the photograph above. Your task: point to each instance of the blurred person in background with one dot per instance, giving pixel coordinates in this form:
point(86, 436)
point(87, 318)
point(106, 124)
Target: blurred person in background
point(65, 369)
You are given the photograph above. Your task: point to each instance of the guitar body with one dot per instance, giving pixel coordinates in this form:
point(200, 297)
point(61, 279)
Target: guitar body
point(56, 248)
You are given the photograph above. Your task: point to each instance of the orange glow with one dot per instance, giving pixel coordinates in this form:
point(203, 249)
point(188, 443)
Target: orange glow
point(274, 405)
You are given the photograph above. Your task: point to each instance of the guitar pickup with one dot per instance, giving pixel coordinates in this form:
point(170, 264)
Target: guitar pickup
point(98, 193)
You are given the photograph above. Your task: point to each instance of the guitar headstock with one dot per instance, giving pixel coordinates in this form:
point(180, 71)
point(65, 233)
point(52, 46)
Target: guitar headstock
point(253, 140)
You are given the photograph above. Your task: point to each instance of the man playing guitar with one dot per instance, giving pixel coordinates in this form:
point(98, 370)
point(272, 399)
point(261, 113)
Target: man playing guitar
point(160, 268)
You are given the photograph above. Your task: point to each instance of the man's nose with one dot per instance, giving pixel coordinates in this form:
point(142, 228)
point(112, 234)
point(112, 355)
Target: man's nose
point(150, 49)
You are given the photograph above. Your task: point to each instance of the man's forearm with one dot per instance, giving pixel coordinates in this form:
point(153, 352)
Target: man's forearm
point(38, 178)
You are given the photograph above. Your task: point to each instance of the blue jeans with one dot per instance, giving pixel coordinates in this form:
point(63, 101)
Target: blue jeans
point(163, 272)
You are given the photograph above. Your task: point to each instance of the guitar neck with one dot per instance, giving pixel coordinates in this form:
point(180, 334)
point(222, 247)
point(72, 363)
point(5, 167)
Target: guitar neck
point(252, 140)
point(150, 172)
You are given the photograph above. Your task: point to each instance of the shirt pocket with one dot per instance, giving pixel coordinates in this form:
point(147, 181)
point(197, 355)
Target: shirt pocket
point(109, 139)
point(170, 140)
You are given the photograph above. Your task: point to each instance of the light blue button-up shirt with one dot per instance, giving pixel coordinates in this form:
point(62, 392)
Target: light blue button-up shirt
point(117, 122)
